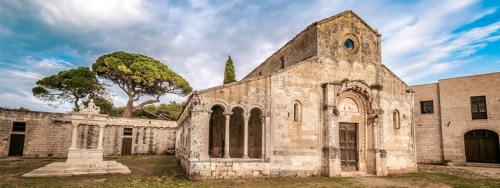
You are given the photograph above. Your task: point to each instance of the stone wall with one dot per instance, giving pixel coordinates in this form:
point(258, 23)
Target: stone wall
point(43, 137)
point(440, 135)
point(428, 125)
point(456, 118)
point(301, 47)
point(49, 134)
point(396, 99)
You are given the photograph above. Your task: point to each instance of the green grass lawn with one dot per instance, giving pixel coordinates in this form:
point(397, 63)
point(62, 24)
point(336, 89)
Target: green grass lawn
point(163, 171)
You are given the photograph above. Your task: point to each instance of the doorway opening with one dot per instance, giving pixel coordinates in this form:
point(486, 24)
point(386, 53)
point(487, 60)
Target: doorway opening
point(16, 146)
point(348, 146)
point(481, 146)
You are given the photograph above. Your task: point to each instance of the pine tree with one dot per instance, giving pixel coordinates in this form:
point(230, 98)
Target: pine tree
point(229, 75)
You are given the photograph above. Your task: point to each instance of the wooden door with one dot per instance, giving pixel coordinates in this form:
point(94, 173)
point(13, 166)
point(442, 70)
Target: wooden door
point(16, 145)
point(127, 146)
point(348, 146)
point(482, 146)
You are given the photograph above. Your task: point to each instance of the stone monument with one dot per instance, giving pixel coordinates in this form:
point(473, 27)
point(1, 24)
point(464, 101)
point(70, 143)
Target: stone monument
point(83, 161)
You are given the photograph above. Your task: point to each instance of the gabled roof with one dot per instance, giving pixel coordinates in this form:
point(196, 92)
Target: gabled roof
point(314, 24)
point(344, 13)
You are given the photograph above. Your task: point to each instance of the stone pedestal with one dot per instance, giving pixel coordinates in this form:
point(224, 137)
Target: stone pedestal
point(84, 155)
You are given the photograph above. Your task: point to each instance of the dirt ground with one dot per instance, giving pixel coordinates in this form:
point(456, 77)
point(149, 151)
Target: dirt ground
point(163, 171)
point(491, 172)
point(466, 172)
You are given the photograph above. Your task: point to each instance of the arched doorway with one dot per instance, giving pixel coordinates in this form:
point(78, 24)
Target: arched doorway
point(356, 143)
point(236, 133)
point(481, 146)
point(216, 132)
point(255, 134)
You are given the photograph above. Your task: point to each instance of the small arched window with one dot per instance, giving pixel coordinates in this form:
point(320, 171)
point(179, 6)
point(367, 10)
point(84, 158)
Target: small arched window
point(396, 120)
point(282, 62)
point(297, 112)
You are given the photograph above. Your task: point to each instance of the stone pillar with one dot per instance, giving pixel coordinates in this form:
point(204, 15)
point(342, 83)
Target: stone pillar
point(196, 135)
point(263, 150)
point(331, 153)
point(381, 153)
point(226, 139)
point(101, 136)
point(74, 135)
point(246, 117)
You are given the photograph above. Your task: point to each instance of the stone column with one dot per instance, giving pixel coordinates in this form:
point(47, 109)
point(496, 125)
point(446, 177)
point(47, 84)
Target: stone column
point(263, 150)
point(246, 117)
point(375, 134)
point(101, 136)
point(226, 139)
point(74, 135)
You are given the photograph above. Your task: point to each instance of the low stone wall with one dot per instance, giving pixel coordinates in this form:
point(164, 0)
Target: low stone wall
point(49, 134)
point(238, 168)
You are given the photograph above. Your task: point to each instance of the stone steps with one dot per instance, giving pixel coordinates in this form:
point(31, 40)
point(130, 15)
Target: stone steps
point(70, 169)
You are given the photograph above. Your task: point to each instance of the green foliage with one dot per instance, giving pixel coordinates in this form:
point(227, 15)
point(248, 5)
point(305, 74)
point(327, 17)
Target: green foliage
point(22, 109)
point(117, 111)
point(229, 75)
point(377, 86)
point(139, 75)
point(69, 86)
point(362, 81)
point(171, 110)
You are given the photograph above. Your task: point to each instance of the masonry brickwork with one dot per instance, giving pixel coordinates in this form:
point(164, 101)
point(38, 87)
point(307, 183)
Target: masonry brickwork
point(310, 109)
point(49, 134)
point(441, 135)
point(428, 125)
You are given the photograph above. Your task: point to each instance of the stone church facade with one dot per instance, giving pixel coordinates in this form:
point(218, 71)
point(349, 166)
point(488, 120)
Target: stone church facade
point(458, 120)
point(323, 104)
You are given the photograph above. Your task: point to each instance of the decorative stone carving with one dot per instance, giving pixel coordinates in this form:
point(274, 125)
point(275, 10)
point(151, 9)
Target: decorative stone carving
point(90, 109)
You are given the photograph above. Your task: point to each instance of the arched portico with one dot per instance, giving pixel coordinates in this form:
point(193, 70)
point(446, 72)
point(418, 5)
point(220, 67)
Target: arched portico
point(236, 134)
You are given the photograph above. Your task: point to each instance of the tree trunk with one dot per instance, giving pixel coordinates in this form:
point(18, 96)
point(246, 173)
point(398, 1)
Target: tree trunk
point(129, 108)
point(77, 108)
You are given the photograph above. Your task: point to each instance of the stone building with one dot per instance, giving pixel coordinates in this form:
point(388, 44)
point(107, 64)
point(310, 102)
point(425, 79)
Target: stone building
point(323, 104)
point(43, 134)
point(458, 120)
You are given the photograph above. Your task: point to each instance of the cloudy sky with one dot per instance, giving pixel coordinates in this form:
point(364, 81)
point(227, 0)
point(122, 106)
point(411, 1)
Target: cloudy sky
point(422, 41)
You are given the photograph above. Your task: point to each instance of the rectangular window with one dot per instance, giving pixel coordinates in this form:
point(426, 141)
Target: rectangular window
point(478, 107)
point(426, 107)
point(19, 126)
point(127, 131)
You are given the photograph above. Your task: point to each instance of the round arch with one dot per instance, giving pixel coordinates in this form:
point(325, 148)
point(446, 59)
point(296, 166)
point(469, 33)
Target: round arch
point(482, 146)
point(222, 104)
point(216, 130)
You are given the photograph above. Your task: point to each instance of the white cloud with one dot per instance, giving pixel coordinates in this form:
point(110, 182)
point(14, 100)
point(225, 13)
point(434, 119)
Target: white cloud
point(93, 14)
point(428, 39)
point(27, 100)
point(194, 37)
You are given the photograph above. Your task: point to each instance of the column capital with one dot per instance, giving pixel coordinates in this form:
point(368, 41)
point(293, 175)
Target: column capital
point(227, 113)
point(75, 123)
point(262, 119)
point(246, 116)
